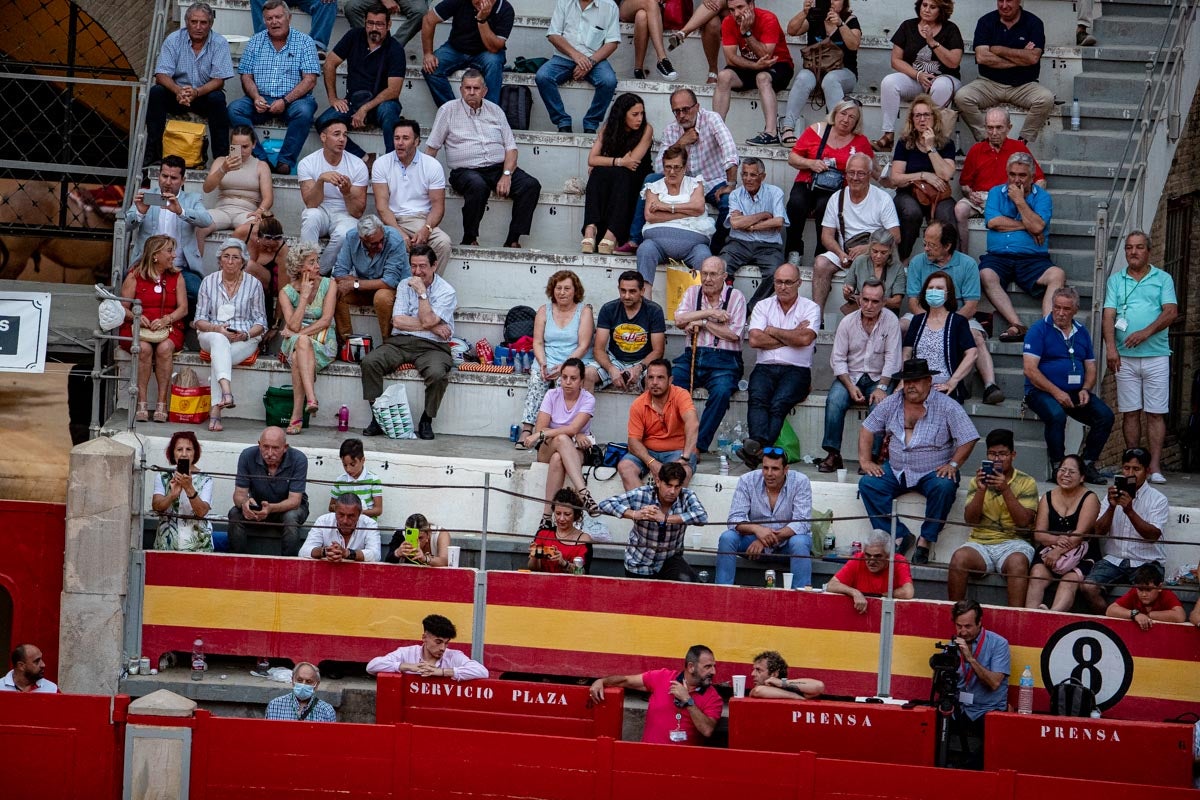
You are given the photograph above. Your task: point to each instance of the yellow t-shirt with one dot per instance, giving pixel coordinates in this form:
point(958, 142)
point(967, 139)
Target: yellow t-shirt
point(996, 524)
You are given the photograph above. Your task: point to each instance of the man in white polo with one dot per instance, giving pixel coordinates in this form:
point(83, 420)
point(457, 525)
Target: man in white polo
point(410, 192)
point(333, 186)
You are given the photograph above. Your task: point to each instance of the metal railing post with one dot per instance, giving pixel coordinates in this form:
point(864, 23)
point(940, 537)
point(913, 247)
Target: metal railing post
point(479, 619)
point(887, 617)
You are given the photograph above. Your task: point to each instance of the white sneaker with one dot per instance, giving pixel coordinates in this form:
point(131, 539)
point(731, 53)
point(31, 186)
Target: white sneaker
point(1157, 477)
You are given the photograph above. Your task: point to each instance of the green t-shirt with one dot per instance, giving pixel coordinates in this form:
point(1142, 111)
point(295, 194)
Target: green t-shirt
point(367, 486)
point(1139, 303)
point(995, 523)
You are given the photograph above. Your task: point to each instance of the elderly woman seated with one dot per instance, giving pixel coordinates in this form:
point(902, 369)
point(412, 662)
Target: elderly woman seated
point(677, 222)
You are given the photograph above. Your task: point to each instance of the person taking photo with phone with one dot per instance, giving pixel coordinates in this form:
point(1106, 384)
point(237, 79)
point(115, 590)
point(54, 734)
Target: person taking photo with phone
point(183, 499)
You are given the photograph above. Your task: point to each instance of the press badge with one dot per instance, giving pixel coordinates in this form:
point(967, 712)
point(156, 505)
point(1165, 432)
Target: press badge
point(1121, 324)
point(966, 698)
point(678, 735)
point(1074, 380)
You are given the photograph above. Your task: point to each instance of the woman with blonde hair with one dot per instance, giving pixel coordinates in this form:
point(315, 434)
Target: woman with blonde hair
point(245, 187)
point(922, 167)
point(306, 306)
point(156, 281)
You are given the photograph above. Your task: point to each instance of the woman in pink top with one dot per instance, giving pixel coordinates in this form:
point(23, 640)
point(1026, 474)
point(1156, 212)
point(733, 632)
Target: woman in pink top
point(562, 433)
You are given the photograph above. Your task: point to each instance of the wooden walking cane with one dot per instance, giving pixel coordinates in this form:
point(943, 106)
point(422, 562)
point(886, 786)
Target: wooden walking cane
point(692, 370)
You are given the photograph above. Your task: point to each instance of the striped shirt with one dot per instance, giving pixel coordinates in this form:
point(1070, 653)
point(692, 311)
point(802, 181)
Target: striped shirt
point(367, 486)
point(178, 60)
point(857, 352)
point(287, 707)
point(472, 138)
point(277, 72)
point(944, 428)
point(710, 155)
point(241, 312)
point(652, 543)
point(737, 315)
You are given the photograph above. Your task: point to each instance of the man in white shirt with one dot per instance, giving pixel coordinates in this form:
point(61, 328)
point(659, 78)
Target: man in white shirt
point(482, 154)
point(410, 192)
point(27, 672)
point(333, 185)
point(432, 658)
point(851, 216)
point(783, 329)
point(422, 324)
point(344, 535)
point(585, 33)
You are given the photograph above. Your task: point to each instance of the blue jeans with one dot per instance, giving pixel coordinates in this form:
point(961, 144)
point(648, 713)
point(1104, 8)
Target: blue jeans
point(877, 495)
point(718, 371)
point(1096, 415)
point(722, 206)
point(299, 119)
point(386, 114)
point(558, 70)
point(323, 16)
point(798, 548)
point(774, 390)
point(450, 61)
point(837, 403)
point(669, 242)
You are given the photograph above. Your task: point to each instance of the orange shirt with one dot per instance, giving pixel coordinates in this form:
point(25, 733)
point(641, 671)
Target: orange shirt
point(661, 432)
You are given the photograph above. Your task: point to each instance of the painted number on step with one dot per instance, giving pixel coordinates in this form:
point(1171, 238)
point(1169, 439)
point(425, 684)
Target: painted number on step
point(466, 265)
point(553, 211)
point(511, 392)
point(717, 487)
point(533, 269)
point(1184, 519)
point(449, 469)
point(537, 151)
point(1058, 63)
point(508, 473)
point(409, 86)
point(1091, 654)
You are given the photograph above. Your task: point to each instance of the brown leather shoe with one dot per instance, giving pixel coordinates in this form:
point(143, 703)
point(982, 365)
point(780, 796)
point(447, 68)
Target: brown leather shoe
point(832, 463)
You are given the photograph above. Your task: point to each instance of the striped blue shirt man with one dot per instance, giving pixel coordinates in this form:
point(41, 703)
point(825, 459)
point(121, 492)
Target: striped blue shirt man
point(187, 67)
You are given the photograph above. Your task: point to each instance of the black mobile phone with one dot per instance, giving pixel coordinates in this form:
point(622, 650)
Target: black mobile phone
point(988, 467)
point(255, 505)
point(1123, 484)
point(184, 466)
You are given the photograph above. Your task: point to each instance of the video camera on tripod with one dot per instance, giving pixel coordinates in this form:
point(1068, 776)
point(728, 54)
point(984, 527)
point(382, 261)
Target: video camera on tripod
point(943, 694)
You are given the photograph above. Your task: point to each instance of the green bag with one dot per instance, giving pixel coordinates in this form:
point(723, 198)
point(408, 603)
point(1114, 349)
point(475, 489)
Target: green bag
point(820, 524)
point(789, 441)
point(278, 404)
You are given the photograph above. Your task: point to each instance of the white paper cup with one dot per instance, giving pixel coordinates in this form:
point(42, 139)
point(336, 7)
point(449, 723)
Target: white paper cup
point(739, 685)
point(695, 540)
point(787, 580)
point(452, 554)
point(841, 475)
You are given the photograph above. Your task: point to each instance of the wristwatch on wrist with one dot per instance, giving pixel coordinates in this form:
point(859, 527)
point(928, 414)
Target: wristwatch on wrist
point(356, 283)
point(508, 172)
point(1133, 613)
point(423, 296)
point(691, 702)
point(954, 463)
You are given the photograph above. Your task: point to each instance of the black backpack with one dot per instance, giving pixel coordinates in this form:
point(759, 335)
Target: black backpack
point(1070, 698)
point(517, 104)
point(518, 322)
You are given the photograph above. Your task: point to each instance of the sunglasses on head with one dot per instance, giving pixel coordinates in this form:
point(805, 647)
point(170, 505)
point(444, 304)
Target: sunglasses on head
point(773, 451)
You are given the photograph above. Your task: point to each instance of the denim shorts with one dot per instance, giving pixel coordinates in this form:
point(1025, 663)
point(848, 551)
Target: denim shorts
point(663, 457)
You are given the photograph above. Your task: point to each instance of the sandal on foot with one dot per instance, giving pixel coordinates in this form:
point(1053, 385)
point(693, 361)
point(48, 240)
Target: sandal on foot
point(143, 413)
point(312, 407)
point(884, 143)
point(295, 427)
point(606, 247)
point(1014, 333)
point(628, 249)
point(214, 424)
point(525, 431)
point(712, 78)
point(589, 504)
point(227, 401)
point(787, 136)
point(674, 39)
point(160, 413)
point(587, 245)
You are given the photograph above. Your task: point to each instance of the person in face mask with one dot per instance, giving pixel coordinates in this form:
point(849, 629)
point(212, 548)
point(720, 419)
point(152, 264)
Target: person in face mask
point(942, 337)
point(301, 704)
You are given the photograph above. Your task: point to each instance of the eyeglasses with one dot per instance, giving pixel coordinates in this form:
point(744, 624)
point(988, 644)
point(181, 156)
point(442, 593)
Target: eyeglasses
point(231, 256)
point(685, 109)
point(271, 237)
point(922, 115)
point(998, 454)
point(781, 282)
point(857, 173)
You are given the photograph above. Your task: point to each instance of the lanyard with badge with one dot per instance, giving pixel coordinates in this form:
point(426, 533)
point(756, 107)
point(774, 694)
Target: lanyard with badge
point(679, 735)
point(1122, 324)
point(1075, 376)
point(967, 672)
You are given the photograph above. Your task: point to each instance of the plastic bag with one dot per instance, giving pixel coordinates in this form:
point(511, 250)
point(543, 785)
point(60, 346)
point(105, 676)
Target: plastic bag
point(393, 413)
point(820, 525)
point(789, 441)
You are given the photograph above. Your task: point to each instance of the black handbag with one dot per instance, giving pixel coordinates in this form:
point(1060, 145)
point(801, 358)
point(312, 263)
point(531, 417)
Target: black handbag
point(831, 179)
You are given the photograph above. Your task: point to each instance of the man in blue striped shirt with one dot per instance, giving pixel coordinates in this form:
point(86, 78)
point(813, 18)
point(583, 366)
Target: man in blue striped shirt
point(301, 704)
point(660, 514)
point(190, 76)
point(279, 69)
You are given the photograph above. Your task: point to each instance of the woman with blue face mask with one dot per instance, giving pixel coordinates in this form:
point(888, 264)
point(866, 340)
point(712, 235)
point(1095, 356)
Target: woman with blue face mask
point(942, 337)
point(302, 704)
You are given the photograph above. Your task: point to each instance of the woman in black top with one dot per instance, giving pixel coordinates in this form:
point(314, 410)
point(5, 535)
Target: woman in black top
point(1066, 517)
point(619, 162)
point(923, 161)
point(832, 20)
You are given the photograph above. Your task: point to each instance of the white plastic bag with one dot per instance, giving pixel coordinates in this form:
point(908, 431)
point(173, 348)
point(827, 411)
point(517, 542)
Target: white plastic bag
point(393, 413)
point(593, 527)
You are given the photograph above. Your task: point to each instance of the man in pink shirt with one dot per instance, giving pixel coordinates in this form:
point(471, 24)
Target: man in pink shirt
point(684, 707)
point(432, 658)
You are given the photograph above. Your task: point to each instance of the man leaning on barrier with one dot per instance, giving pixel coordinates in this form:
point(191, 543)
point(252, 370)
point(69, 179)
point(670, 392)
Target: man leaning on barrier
point(432, 658)
point(867, 573)
point(344, 534)
point(660, 514)
point(769, 673)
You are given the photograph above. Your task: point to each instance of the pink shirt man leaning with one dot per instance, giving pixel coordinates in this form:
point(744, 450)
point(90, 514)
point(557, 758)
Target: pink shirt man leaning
point(432, 658)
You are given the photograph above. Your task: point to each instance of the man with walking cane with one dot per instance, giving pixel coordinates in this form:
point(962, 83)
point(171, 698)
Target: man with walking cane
point(714, 316)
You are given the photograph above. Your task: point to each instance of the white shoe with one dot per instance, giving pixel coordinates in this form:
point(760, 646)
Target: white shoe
point(1157, 477)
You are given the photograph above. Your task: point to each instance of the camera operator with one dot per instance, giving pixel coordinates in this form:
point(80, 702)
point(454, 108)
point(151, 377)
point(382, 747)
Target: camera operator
point(983, 672)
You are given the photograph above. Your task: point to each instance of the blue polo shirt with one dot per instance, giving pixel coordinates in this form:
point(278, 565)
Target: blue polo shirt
point(368, 71)
point(1063, 358)
point(992, 32)
point(993, 653)
point(1017, 242)
point(1139, 303)
point(962, 269)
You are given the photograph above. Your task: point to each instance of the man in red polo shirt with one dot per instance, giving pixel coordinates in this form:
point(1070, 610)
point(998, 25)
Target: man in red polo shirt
point(986, 166)
point(867, 573)
point(663, 427)
point(756, 56)
point(683, 707)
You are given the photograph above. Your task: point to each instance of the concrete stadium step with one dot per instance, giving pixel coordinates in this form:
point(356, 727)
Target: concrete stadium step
point(1123, 23)
point(1114, 87)
point(1124, 58)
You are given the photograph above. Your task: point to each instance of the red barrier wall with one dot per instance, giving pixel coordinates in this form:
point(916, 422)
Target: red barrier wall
point(491, 705)
point(32, 538)
point(1155, 754)
point(859, 731)
point(61, 746)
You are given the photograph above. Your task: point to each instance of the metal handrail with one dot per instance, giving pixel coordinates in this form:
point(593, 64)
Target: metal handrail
point(1159, 104)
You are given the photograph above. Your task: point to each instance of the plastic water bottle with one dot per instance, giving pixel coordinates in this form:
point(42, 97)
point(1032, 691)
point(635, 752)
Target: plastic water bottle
point(1025, 693)
point(723, 438)
point(198, 661)
point(1075, 114)
point(344, 419)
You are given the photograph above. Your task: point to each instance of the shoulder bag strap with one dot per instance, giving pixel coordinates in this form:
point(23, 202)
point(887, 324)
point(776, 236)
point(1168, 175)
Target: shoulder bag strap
point(842, 213)
point(824, 139)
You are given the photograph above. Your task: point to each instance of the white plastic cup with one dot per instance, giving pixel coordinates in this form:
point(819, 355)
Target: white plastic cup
point(739, 685)
point(695, 540)
point(452, 554)
point(841, 475)
point(787, 580)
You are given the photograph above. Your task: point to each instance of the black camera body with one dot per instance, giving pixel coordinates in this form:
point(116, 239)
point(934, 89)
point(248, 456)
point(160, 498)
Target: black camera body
point(943, 694)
